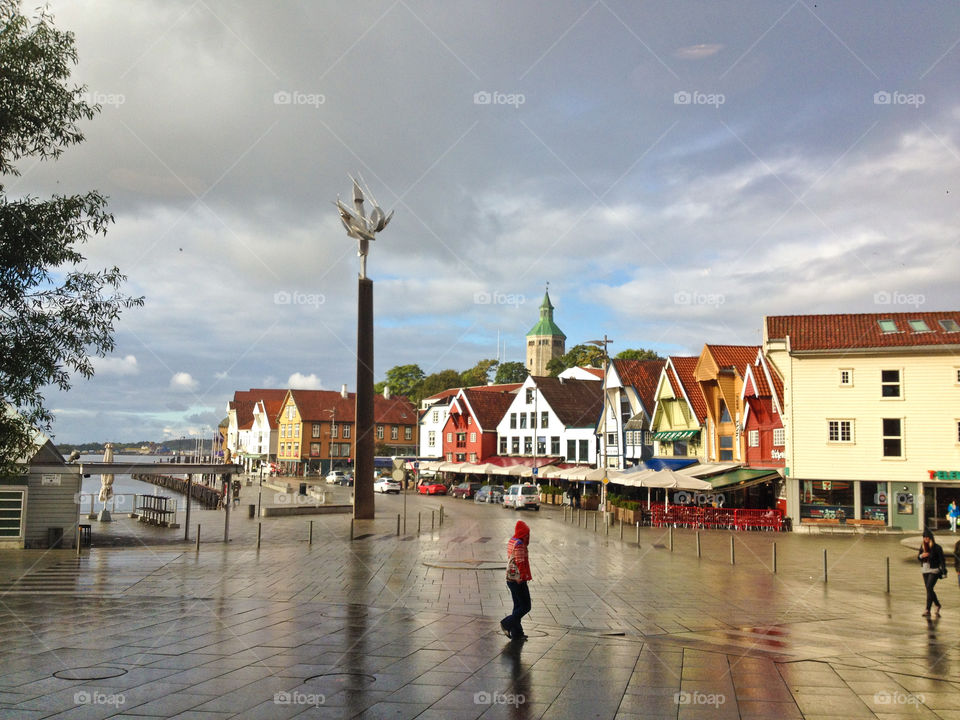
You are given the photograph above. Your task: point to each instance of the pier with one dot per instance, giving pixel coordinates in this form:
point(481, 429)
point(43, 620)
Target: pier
point(207, 496)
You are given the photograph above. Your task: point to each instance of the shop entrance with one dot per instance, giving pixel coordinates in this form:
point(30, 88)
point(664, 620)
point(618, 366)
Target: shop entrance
point(938, 500)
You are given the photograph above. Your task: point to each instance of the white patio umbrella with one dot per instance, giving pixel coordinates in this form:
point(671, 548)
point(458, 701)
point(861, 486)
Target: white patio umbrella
point(106, 480)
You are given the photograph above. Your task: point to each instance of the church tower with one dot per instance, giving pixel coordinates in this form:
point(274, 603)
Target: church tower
point(545, 341)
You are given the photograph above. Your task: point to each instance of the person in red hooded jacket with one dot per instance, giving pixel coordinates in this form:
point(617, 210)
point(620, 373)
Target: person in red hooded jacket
point(518, 575)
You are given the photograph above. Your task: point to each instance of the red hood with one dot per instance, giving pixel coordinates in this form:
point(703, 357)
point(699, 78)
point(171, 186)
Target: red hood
point(522, 531)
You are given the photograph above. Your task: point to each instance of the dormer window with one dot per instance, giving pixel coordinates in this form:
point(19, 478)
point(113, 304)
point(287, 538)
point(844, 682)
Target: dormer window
point(919, 326)
point(888, 326)
point(949, 325)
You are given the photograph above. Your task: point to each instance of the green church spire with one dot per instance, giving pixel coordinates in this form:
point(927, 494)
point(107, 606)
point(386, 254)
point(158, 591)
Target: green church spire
point(546, 325)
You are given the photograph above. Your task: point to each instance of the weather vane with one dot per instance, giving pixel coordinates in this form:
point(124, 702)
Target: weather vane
point(361, 227)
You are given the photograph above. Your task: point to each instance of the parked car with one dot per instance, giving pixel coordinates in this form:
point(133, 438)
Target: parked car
point(334, 475)
point(489, 494)
point(432, 488)
point(386, 485)
point(522, 495)
point(465, 490)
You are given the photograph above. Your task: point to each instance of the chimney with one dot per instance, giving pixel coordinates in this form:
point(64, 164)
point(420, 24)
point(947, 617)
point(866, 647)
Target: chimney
point(386, 392)
point(343, 391)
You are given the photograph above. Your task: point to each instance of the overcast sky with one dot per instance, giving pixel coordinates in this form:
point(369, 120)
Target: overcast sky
point(675, 170)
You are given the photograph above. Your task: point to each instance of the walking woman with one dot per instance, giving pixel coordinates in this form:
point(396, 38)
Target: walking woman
point(518, 575)
point(933, 563)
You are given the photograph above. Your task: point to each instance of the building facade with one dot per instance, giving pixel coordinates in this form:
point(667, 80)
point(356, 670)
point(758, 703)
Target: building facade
point(470, 433)
point(719, 373)
point(545, 341)
point(764, 434)
point(625, 438)
point(680, 413)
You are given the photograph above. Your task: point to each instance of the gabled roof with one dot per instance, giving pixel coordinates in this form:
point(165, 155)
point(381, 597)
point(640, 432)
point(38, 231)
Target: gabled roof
point(487, 408)
point(576, 403)
point(860, 331)
point(736, 357)
point(316, 406)
point(763, 380)
point(679, 371)
point(642, 376)
point(244, 401)
point(270, 409)
point(488, 388)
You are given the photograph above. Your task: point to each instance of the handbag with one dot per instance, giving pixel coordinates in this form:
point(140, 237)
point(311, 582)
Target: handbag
point(513, 572)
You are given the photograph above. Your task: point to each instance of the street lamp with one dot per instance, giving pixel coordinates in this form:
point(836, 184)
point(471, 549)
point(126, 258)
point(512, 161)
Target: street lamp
point(363, 229)
point(603, 440)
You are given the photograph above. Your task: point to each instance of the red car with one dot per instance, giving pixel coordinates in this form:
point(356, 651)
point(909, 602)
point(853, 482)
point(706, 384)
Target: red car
point(433, 488)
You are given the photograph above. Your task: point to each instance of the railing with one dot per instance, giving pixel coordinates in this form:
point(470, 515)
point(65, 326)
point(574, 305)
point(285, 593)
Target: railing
point(693, 516)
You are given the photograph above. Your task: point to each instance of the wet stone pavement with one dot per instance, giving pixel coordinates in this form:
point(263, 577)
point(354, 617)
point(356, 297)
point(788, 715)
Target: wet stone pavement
point(388, 626)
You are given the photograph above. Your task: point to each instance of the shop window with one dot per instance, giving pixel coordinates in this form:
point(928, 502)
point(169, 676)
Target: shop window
point(840, 431)
point(779, 437)
point(679, 449)
point(890, 383)
point(753, 438)
point(892, 437)
point(826, 499)
point(874, 500)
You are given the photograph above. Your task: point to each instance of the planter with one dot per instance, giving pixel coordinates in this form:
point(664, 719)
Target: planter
point(630, 517)
point(590, 502)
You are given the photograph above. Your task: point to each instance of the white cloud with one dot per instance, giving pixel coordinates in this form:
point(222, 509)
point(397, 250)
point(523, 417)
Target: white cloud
point(126, 365)
point(182, 382)
point(299, 381)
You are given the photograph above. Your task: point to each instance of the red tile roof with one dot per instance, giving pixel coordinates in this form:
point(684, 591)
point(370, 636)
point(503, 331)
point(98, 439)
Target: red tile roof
point(577, 403)
point(684, 383)
point(856, 331)
point(245, 400)
point(734, 356)
point(315, 406)
point(489, 388)
point(643, 376)
point(488, 407)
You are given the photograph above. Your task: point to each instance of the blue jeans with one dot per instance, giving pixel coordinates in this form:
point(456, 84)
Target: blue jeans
point(521, 606)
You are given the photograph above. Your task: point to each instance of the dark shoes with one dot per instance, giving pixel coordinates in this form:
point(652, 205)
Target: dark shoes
point(506, 630)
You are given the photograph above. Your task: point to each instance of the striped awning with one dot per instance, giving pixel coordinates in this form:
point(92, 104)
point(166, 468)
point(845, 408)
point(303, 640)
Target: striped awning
point(672, 435)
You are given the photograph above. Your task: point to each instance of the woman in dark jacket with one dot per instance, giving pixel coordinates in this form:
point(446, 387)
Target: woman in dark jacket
point(931, 559)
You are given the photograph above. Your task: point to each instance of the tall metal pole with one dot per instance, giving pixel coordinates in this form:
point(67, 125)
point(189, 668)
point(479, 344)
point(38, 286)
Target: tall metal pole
point(226, 507)
point(363, 505)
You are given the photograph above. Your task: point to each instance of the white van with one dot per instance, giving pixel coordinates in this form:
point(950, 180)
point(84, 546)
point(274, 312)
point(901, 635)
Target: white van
point(521, 495)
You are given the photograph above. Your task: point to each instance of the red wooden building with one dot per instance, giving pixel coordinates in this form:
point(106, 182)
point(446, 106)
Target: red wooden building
point(763, 415)
point(470, 433)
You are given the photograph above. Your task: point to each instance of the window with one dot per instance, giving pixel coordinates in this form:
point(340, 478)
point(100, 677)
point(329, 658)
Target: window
point(296, 431)
point(523, 421)
point(314, 449)
point(612, 439)
point(296, 449)
point(554, 445)
point(470, 420)
point(461, 440)
point(919, 326)
point(432, 438)
point(541, 445)
point(529, 396)
point(473, 457)
point(334, 450)
point(346, 432)
point(533, 420)
point(949, 325)
point(290, 411)
point(846, 377)
point(449, 437)
point(840, 431)
point(724, 413)
point(515, 445)
point(890, 383)
point(473, 437)
point(503, 446)
point(572, 450)
point(888, 326)
point(753, 438)
point(958, 431)
point(544, 419)
point(334, 430)
point(436, 416)
point(528, 445)
point(283, 431)
point(726, 447)
point(892, 437)
point(513, 421)
point(408, 433)
point(379, 432)
point(584, 451)
point(394, 432)
point(315, 431)
point(779, 437)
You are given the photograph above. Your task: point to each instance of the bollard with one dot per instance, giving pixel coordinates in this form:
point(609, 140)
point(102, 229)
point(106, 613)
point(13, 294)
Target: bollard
point(638, 533)
point(398, 524)
point(78, 540)
point(621, 528)
point(824, 564)
point(733, 557)
point(431, 521)
point(670, 538)
point(698, 543)
point(441, 516)
point(198, 537)
point(259, 528)
point(418, 523)
point(351, 528)
point(774, 558)
point(310, 536)
point(595, 513)
point(578, 517)
point(888, 574)
point(606, 528)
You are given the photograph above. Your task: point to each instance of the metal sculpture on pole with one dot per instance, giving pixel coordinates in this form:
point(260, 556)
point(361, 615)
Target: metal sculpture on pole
point(363, 229)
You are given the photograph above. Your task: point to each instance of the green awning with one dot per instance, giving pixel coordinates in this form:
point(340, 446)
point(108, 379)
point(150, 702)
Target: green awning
point(671, 435)
point(741, 476)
